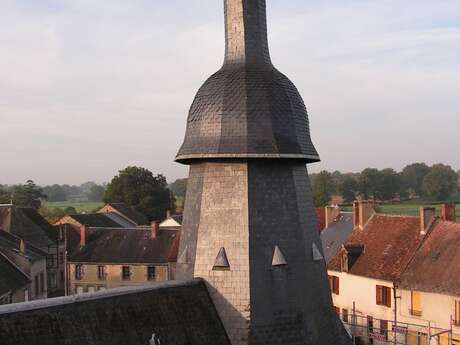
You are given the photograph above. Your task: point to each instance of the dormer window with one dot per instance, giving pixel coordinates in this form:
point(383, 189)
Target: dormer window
point(350, 254)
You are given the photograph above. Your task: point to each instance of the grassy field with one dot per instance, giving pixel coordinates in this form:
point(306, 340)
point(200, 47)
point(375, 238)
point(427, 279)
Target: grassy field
point(411, 209)
point(80, 206)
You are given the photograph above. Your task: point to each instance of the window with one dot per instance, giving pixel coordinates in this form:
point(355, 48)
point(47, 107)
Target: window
point(384, 328)
point(457, 313)
point(126, 272)
point(415, 303)
point(52, 282)
point(337, 310)
point(36, 285)
point(78, 272)
point(42, 283)
point(151, 273)
point(345, 315)
point(383, 295)
point(334, 284)
point(101, 273)
point(61, 257)
point(51, 261)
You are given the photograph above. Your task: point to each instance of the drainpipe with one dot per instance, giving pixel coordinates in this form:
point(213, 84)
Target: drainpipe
point(395, 321)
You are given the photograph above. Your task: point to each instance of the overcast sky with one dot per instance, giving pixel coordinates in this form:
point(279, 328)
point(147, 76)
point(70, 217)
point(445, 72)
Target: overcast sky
point(88, 87)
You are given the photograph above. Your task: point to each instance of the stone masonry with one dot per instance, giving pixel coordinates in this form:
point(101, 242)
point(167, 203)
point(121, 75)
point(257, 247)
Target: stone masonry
point(249, 226)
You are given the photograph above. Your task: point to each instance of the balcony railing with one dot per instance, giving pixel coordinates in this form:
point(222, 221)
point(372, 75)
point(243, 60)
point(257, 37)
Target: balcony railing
point(415, 312)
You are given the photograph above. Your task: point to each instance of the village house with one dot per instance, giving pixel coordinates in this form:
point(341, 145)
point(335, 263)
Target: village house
point(27, 261)
point(128, 213)
point(106, 258)
point(28, 225)
point(398, 277)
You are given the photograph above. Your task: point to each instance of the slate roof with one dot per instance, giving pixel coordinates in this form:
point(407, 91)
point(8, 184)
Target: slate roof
point(16, 220)
point(95, 220)
point(9, 245)
point(336, 234)
point(38, 219)
point(130, 213)
point(126, 246)
point(436, 266)
point(179, 313)
point(389, 243)
point(11, 277)
point(177, 218)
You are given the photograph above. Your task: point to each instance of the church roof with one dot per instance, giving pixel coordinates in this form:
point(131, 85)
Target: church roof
point(179, 313)
point(248, 109)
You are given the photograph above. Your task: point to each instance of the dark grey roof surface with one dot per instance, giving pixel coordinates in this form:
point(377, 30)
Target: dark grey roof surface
point(9, 245)
point(336, 234)
point(177, 218)
point(178, 313)
point(96, 220)
point(126, 246)
point(11, 277)
point(130, 212)
point(248, 109)
point(16, 220)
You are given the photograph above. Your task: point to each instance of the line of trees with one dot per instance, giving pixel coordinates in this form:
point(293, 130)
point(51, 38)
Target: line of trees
point(437, 182)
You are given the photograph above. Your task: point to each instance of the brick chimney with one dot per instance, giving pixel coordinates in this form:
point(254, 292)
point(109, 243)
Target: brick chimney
point(362, 212)
point(448, 212)
point(22, 247)
point(427, 214)
point(154, 229)
point(332, 212)
point(82, 235)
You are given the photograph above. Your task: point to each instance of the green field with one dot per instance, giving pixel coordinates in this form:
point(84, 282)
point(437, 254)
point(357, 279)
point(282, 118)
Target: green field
point(411, 209)
point(80, 206)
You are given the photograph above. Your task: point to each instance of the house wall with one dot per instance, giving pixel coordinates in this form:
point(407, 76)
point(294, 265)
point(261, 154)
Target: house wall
point(113, 279)
point(436, 308)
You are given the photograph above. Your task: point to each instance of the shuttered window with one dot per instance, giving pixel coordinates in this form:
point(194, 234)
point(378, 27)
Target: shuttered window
point(334, 284)
point(416, 303)
point(383, 296)
point(457, 313)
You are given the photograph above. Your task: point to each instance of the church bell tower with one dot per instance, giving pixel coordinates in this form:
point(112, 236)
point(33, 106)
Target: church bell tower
point(249, 226)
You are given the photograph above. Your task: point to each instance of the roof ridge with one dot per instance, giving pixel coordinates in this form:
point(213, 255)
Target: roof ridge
point(14, 265)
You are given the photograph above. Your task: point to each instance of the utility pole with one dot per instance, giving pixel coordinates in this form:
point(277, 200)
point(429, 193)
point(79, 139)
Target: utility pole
point(395, 321)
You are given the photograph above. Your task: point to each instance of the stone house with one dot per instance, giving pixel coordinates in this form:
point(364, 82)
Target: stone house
point(110, 258)
point(30, 261)
point(28, 225)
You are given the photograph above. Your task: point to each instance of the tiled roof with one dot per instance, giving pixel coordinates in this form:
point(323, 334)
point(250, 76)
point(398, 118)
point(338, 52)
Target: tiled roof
point(336, 234)
point(436, 266)
point(388, 243)
point(126, 246)
point(16, 220)
point(95, 220)
point(130, 213)
point(11, 277)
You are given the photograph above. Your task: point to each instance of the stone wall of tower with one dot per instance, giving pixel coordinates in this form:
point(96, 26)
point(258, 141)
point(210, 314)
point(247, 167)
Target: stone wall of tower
point(250, 208)
point(217, 209)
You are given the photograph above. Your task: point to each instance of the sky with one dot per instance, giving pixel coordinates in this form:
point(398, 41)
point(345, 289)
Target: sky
point(88, 87)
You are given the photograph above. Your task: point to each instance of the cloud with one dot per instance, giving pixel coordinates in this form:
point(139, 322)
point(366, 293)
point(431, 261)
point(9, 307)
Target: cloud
point(89, 87)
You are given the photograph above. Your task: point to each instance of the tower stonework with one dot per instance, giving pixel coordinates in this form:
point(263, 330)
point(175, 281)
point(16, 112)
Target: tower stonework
point(249, 226)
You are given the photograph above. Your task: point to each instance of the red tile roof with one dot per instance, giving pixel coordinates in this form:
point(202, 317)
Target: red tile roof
point(436, 266)
point(389, 243)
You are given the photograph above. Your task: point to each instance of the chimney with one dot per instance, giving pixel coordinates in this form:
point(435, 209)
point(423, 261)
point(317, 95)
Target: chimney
point(154, 229)
point(426, 216)
point(332, 212)
point(168, 214)
point(448, 212)
point(362, 212)
point(82, 235)
point(22, 247)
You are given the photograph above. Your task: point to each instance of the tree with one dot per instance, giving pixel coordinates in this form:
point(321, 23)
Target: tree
point(179, 187)
point(348, 189)
point(52, 214)
point(5, 195)
point(323, 187)
point(28, 195)
point(55, 193)
point(389, 184)
point(70, 210)
point(138, 187)
point(96, 193)
point(440, 182)
point(368, 182)
point(413, 176)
